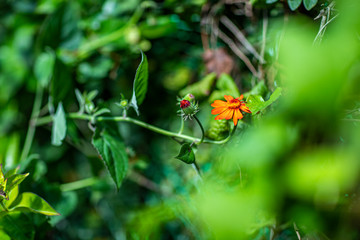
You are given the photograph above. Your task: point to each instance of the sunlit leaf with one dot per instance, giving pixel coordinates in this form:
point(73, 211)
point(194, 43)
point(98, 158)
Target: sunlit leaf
point(294, 4)
point(15, 180)
point(59, 126)
point(186, 154)
point(140, 83)
point(112, 151)
point(34, 203)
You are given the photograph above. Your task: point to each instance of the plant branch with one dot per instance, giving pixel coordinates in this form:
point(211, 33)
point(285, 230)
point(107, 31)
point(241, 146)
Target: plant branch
point(48, 119)
point(33, 123)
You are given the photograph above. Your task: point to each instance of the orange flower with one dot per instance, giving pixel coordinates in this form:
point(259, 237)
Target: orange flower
point(229, 109)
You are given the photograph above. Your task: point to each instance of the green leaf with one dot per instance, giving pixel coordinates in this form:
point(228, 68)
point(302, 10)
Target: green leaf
point(309, 4)
point(44, 66)
point(201, 88)
point(186, 154)
point(140, 83)
point(14, 181)
point(271, 1)
point(256, 103)
point(12, 196)
point(294, 4)
point(34, 203)
point(4, 236)
point(112, 151)
point(18, 226)
point(58, 132)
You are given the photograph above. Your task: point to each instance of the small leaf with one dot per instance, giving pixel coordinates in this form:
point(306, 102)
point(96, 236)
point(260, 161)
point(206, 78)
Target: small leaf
point(294, 4)
point(309, 4)
point(271, 1)
point(112, 150)
point(81, 100)
point(58, 132)
point(34, 203)
point(14, 181)
point(186, 154)
point(44, 67)
point(140, 83)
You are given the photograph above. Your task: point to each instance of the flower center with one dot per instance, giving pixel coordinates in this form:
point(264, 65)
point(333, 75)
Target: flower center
point(234, 104)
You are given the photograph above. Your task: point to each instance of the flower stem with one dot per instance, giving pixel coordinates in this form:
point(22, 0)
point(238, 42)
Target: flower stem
point(81, 116)
point(202, 130)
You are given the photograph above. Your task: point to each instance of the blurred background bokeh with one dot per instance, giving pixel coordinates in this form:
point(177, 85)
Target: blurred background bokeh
point(290, 171)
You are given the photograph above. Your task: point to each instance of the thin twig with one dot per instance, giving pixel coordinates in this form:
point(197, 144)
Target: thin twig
point(240, 36)
point(238, 52)
point(323, 28)
point(297, 231)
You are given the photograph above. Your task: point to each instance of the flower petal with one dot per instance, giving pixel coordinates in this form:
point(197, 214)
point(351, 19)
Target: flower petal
point(228, 98)
point(244, 108)
point(218, 110)
point(227, 114)
point(219, 103)
point(237, 115)
point(241, 97)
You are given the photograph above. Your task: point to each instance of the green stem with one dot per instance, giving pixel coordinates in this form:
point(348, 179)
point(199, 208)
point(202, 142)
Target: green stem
point(78, 184)
point(202, 130)
point(48, 119)
point(33, 122)
point(181, 126)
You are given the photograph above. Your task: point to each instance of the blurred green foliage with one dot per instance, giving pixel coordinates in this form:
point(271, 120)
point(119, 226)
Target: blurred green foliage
point(291, 169)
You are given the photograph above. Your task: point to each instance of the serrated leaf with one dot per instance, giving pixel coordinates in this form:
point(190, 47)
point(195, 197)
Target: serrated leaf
point(58, 132)
point(14, 181)
point(44, 67)
point(34, 203)
point(294, 4)
point(140, 83)
point(112, 151)
point(309, 4)
point(186, 154)
point(256, 103)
